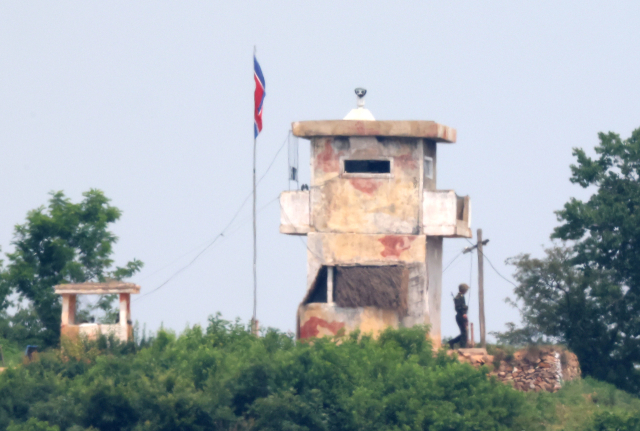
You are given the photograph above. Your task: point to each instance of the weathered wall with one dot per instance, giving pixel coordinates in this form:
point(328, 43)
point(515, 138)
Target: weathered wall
point(318, 320)
point(69, 331)
point(294, 212)
point(446, 214)
point(93, 330)
point(349, 248)
point(408, 251)
point(370, 220)
point(359, 203)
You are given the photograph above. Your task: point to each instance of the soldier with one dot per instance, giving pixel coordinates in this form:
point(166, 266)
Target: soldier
point(461, 316)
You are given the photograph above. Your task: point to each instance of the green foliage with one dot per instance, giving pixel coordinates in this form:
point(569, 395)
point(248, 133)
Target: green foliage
point(615, 422)
point(12, 353)
point(606, 230)
point(587, 295)
point(582, 404)
point(22, 328)
point(578, 406)
point(63, 243)
point(560, 302)
point(226, 378)
point(607, 226)
point(33, 425)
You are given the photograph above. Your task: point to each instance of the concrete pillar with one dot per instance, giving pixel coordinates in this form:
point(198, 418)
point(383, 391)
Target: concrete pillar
point(68, 309)
point(125, 314)
point(434, 286)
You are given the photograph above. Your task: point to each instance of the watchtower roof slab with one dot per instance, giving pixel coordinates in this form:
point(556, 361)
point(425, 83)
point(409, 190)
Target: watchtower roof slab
point(96, 288)
point(403, 129)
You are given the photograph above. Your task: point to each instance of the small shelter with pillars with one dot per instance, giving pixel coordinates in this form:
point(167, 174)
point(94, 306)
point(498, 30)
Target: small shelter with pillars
point(122, 330)
point(375, 223)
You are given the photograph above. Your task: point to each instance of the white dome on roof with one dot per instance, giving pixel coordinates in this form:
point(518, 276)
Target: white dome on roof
point(360, 114)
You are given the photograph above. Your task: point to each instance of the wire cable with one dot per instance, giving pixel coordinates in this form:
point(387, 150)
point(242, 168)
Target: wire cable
point(221, 234)
point(451, 261)
point(244, 221)
point(274, 158)
point(215, 239)
point(493, 267)
point(246, 199)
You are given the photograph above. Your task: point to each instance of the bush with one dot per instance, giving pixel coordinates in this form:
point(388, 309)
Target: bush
point(607, 421)
point(225, 378)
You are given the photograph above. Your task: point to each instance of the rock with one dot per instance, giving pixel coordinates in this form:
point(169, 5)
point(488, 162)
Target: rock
point(474, 351)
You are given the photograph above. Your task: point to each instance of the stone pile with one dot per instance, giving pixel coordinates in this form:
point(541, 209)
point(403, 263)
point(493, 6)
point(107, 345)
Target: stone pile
point(533, 369)
point(474, 356)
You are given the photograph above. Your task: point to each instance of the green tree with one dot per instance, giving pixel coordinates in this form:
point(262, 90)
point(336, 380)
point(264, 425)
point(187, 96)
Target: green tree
point(587, 294)
point(606, 228)
point(559, 302)
point(65, 242)
point(606, 234)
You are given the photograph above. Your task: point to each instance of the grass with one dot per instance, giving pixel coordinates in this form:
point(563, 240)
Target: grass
point(572, 408)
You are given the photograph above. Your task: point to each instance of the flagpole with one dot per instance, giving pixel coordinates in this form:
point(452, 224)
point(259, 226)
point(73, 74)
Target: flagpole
point(254, 322)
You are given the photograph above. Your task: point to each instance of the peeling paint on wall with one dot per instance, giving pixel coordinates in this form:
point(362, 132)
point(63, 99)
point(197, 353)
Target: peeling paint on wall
point(328, 160)
point(365, 185)
point(341, 203)
point(350, 248)
point(405, 161)
point(311, 327)
point(369, 320)
point(395, 245)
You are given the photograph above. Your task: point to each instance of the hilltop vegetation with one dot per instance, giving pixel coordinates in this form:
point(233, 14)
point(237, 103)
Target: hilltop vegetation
point(224, 378)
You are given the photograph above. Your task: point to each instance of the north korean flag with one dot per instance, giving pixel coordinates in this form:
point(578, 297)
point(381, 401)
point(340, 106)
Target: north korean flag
point(258, 96)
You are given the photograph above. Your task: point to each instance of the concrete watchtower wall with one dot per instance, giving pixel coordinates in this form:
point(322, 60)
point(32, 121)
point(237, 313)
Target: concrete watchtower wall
point(375, 224)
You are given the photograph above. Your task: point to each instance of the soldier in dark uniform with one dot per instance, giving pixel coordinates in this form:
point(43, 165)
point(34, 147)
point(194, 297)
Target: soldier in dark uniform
point(461, 316)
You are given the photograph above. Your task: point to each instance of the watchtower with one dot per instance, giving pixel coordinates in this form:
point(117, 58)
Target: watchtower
point(123, 329)
point(375, 224)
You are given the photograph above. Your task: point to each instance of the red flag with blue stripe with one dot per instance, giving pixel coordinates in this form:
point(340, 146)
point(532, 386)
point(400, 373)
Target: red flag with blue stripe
point(258, 95)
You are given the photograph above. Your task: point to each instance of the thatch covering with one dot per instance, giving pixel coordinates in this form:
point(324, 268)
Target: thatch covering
point(384, 287)
point(97, 288)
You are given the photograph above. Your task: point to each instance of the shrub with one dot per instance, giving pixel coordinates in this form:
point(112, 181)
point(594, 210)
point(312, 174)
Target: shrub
point(225, 378)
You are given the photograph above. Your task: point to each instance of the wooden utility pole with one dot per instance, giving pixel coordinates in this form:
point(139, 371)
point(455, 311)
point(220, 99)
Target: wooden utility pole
point(483, 340)
point(479, 245)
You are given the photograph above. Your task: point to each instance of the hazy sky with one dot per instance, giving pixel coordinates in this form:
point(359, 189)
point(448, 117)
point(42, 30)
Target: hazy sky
point(152, 102)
